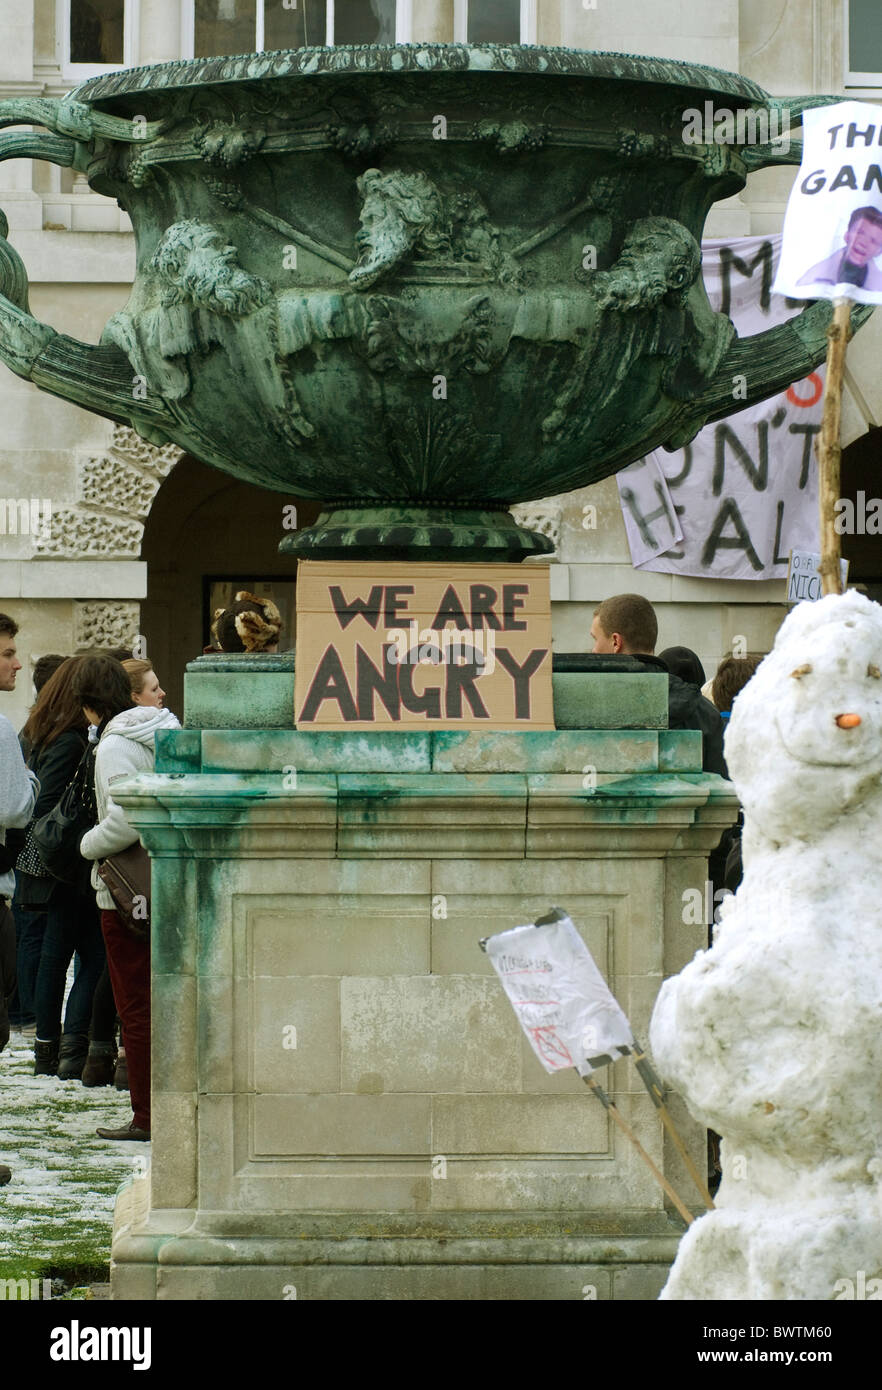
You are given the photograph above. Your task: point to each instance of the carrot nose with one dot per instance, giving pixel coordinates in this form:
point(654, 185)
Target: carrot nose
point(848, 721)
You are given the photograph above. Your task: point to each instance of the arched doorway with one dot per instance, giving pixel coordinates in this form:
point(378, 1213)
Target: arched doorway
point(861, 481)
point(206, 531)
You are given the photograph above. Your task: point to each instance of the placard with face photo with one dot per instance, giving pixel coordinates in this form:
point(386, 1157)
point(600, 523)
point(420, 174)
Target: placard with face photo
point(833, 226)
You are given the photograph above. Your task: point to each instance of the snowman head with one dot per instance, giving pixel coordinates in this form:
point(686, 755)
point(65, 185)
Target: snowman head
point(804, 742)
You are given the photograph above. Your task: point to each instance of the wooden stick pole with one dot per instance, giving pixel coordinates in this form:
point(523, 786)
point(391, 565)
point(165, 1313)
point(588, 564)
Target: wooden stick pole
point(610, 1105)
point(829, 449)
point(653, 1086)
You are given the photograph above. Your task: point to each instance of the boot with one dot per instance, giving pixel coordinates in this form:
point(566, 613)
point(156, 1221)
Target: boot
point(121, 1073)
point(126, 1132)
point(100, 1064)
point(72, 1056)
point(45, 1057)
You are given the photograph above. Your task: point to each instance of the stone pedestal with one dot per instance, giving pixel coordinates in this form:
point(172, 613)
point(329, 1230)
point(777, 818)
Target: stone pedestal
point(344, 1105)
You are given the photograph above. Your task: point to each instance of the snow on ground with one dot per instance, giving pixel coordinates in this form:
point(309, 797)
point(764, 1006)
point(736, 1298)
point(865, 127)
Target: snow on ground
point(58, 1209)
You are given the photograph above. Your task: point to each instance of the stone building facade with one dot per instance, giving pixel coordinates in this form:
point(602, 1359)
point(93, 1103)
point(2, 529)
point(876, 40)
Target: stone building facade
point(139, 535)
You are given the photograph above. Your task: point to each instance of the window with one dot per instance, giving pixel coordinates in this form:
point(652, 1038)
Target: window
point(215, 27)
point(494, 21)
point(96, 36)
point(863, 43)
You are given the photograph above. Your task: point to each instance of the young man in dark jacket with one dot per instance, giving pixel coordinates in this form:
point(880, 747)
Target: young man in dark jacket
point(626, 625)
point(18, 793)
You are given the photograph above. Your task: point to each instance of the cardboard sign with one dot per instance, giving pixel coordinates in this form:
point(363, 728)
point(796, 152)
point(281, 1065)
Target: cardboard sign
point(833, 224)
point(803, 580)
point(422, 646)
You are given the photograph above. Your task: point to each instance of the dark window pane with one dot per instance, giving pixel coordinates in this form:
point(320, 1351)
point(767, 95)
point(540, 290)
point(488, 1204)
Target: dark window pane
point(364, 21)
point(494, 21)
point(302, 26)
point(865, 36)
point(96, 31)
point(224, 26)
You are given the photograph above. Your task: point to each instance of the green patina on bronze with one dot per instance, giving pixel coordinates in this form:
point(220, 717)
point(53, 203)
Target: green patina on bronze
point(364, 276)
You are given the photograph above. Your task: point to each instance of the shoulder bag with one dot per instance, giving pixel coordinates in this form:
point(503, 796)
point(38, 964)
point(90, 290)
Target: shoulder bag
point(57, 835)
point(126, 876)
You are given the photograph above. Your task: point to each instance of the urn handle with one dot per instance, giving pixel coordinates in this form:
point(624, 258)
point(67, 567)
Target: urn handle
point(22, 337)
point(767, 362)
point(99, 378)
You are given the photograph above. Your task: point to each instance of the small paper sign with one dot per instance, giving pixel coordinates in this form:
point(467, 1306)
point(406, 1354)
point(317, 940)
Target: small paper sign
point(833, 225)
point(803, 580)
point(561, 1000)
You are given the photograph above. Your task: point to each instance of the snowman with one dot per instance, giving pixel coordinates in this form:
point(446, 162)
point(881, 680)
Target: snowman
point(774, 1036)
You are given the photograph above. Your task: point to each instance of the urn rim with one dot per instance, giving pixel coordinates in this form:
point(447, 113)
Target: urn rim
point(356, 60)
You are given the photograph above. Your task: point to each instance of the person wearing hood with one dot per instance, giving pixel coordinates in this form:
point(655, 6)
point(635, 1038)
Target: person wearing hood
point(126, 733)
point(105, 1064)
point(683, 662)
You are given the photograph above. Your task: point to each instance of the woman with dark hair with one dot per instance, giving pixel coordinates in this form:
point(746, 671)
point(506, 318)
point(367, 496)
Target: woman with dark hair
point(125, 747)
point(29, 926)
point(56, 735)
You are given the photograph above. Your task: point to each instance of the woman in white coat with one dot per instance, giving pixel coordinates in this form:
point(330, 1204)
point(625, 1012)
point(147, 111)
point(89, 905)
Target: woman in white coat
point(126, 733)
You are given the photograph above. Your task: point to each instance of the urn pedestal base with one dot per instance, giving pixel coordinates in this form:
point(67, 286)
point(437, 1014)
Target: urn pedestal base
point(494, 1256)
point(343, 1102)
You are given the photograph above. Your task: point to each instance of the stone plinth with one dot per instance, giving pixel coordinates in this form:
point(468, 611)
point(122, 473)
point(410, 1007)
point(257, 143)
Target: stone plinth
point(343, 1101)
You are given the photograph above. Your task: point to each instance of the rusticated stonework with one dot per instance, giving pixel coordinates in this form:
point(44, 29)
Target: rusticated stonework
point(78, 534)
point(131, 447)
point(544, 516)
point(107, 477)
point(115, 491)
point(113, 624)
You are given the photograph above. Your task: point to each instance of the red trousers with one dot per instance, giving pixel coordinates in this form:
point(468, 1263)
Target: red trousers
point(128, 961)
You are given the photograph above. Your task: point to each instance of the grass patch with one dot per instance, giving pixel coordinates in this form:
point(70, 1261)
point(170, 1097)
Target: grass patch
point(56, 1213)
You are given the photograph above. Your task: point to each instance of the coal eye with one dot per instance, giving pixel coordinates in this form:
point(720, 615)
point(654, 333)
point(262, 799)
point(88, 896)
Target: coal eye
point(800, 672)
point(874, 672)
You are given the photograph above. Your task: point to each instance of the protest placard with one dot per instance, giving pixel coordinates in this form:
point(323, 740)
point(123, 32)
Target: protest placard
point(561, 1000)
point(833, 223)
point(832, 241)
point(803, 577)
point(572, 1019)
point(734, 502)
point(425, 646)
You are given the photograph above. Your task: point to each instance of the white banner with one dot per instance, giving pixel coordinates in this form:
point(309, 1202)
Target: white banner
point(833, 223)
point(561, 1000)
point(743, 494)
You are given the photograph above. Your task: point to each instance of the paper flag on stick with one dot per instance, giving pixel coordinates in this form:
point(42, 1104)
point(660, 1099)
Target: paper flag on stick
point(560, 997)
point(833, 225)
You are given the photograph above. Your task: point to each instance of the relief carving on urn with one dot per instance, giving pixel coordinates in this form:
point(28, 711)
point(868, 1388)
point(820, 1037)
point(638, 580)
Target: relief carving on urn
point(330, 301)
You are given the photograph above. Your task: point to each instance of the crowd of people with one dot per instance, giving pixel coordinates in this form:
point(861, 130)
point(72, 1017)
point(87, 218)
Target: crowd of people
point(94, 721)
